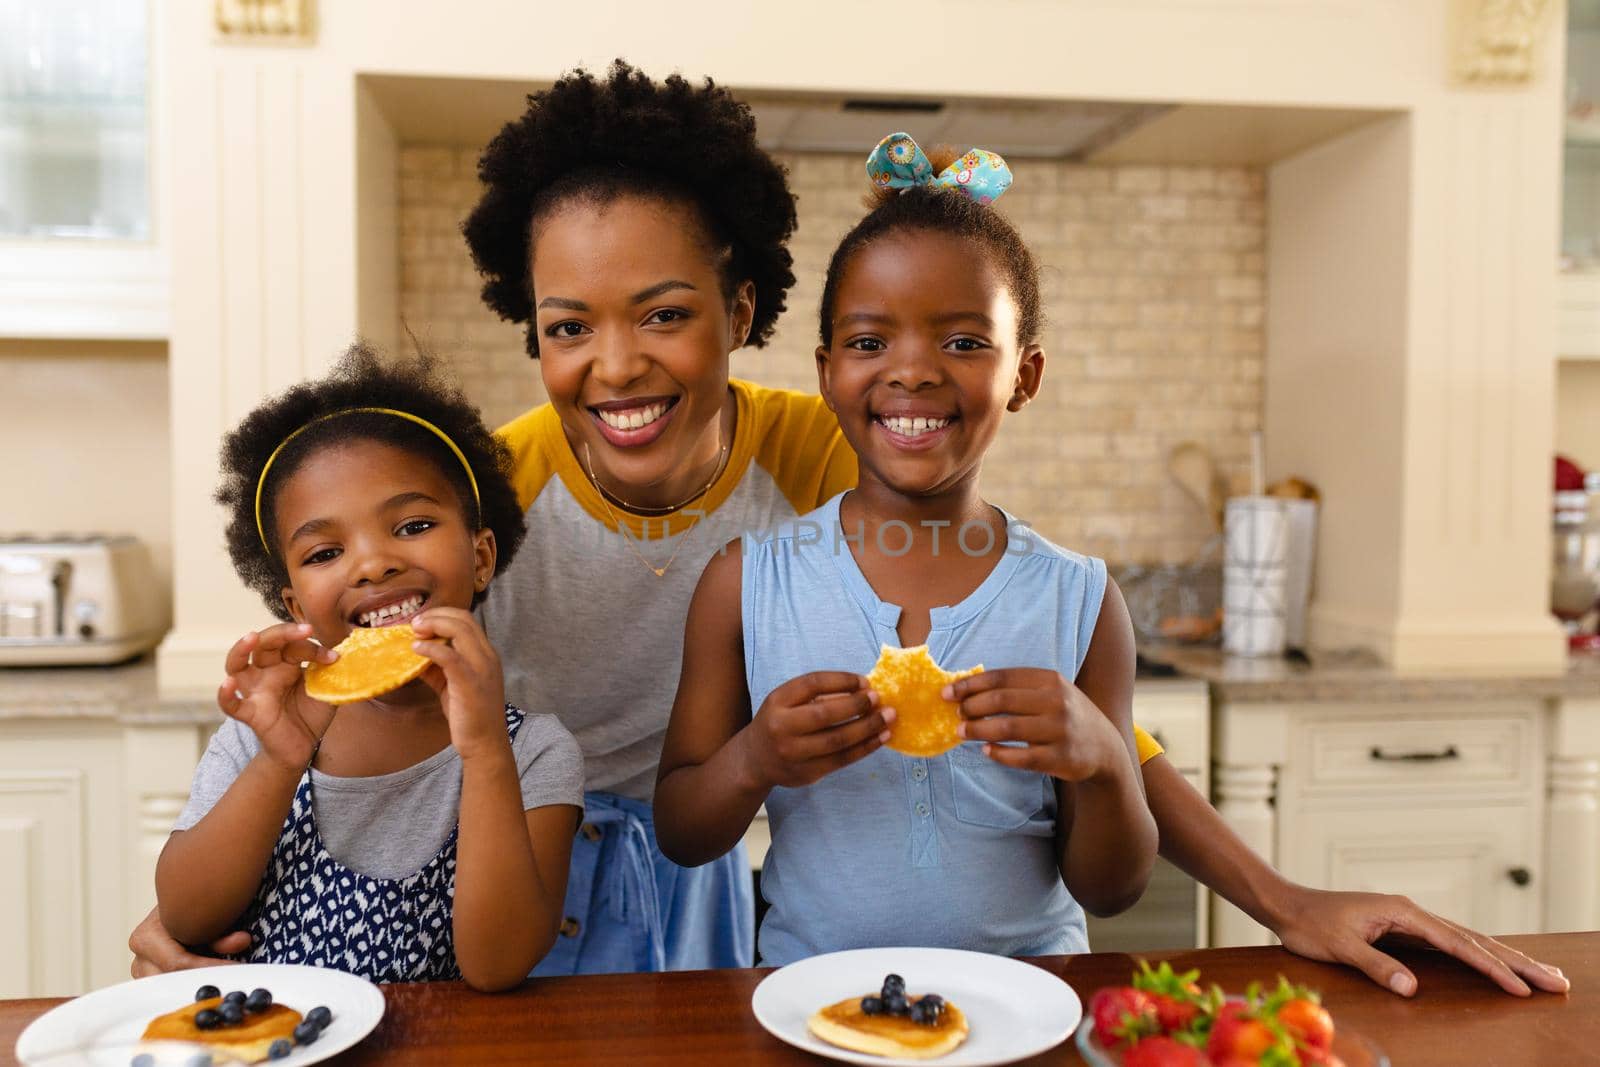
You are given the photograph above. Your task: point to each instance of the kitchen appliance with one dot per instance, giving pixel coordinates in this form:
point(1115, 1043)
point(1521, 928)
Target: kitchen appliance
point(1575, 569)
point(77, 599)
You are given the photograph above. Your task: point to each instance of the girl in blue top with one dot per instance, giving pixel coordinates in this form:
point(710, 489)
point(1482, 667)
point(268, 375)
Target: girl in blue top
point(930, 319)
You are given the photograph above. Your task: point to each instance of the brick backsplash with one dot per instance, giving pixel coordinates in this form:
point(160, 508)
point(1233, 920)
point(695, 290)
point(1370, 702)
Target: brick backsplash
point(1154, 296)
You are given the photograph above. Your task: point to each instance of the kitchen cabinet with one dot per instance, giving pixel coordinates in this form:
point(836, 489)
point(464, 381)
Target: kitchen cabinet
point(1175, 910)
point(89, 789)
point(1578, 317)
point(1484, 811)
point(82, 251)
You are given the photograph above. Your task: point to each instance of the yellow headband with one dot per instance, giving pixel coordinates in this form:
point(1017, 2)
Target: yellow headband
point(261, 482)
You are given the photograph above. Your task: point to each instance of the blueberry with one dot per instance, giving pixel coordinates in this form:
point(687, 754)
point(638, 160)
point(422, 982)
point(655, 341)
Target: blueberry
point(207, 1019)
point(893, 984)
point(235, 997)
point(199, 1059)
point(872, 1005)
point(933, 999)
point(232, 1012)
point(895, 1004)
point(258, 1000)
point(319, 1017)
point(207, 992)
point(279, 1049)
point(307, 1033)
point(144, 1059)
point(927, 1010)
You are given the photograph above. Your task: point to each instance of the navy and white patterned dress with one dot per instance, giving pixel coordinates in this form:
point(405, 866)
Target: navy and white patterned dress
point(312, 909)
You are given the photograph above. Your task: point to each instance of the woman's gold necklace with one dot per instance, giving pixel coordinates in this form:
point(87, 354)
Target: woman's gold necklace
point(716, 472)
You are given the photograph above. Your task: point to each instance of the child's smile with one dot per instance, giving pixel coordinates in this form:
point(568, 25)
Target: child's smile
point(372, 534)
point(924, 360)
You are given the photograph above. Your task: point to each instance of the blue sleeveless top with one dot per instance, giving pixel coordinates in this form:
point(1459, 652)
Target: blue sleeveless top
point(955, 850)
point(312, 909)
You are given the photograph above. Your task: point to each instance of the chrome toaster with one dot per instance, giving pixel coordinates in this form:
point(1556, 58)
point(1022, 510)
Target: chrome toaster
point(77, 600)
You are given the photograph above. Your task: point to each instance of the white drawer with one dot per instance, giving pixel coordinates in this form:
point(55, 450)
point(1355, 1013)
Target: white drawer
point(1409, 752)
point(1178, 715)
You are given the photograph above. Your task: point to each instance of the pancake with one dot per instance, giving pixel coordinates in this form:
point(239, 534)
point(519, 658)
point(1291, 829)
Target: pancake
point(907, 680)
point(372, 661)
point(247, 1042)
point(846, 1025)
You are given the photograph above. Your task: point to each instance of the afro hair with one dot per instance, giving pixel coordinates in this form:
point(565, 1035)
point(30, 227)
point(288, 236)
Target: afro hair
point(360, 379)
point(588, 139)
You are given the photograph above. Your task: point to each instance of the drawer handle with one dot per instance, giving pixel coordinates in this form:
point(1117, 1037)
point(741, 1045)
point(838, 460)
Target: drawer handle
point(1450, 752)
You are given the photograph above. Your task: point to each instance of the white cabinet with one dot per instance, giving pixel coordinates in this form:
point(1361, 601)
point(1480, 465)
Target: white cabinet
point(1473, 865)
point(85, 806)
point(1174, 912)
point(1482, 811)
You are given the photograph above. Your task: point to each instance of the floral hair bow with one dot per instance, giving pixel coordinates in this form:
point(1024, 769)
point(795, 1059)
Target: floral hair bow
point(898, 163)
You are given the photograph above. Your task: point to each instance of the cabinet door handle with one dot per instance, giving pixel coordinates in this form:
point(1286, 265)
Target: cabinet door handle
point(1520, 875)
point(1450, 752)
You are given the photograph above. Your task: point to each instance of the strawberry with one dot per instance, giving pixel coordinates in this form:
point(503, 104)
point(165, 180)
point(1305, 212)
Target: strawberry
point(1162, 1052)
point(1308, 1022)
point(1177, 996)
point(1238, 1037)
point(1173, 1014)
point(1121, 1012)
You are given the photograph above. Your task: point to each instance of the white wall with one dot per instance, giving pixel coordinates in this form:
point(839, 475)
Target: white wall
point(84, 427)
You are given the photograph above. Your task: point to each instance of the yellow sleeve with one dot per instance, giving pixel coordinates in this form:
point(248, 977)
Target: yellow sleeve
point(800, 446)
point(531, 465)
point(1149, 747)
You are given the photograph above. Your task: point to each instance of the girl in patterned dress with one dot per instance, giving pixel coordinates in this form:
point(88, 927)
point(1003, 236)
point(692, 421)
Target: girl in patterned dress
point(423, 834)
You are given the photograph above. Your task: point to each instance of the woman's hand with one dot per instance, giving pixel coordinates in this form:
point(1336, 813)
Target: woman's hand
point(813, 725)
point(1065, 735)
point(264, 691)
point(466, 674)
point(1341, 927)
point(156, 952)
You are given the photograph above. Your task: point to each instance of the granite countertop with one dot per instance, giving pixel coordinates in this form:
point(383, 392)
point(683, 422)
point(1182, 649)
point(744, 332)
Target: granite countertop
point(1360, 676)
point(125, 694)
point(128, 694)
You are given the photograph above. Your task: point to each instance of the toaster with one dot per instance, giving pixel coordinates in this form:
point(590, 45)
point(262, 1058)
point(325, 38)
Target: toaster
point(77, 599)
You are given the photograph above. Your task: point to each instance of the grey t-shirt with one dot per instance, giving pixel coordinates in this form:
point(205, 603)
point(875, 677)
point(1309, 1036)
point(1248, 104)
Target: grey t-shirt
point(390, 825)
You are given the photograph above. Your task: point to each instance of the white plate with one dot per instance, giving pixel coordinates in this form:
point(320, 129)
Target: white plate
point(1014, 1010)
point(104, 1027)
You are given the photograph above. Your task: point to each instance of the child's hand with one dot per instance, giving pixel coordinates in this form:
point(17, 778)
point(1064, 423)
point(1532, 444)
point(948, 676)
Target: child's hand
point(263, 690)
point(467, 676)
point(813, 725)
point(1066, 736)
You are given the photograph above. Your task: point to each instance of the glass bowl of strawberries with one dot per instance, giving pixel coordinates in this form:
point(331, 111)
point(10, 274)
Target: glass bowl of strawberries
point(1164, 1019)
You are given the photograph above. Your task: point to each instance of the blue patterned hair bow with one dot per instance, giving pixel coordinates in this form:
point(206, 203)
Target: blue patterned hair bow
point(898, 163)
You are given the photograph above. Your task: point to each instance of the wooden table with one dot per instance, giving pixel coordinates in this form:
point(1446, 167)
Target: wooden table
point(703, 1018)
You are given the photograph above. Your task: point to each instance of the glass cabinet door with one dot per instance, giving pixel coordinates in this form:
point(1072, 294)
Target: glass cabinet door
point(1580, 207)
point(74, 120)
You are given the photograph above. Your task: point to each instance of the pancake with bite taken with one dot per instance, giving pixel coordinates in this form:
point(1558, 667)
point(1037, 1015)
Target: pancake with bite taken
point(909, 681)
point(371, 662)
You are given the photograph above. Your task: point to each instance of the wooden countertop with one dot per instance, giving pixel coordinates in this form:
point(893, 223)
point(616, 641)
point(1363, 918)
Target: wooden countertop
point(703, 1018)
